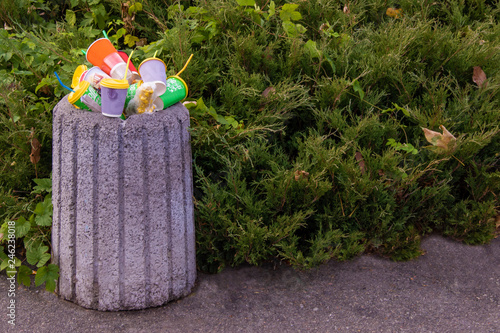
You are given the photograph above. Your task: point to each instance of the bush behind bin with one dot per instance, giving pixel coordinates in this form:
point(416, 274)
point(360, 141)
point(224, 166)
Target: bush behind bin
point(307, 128)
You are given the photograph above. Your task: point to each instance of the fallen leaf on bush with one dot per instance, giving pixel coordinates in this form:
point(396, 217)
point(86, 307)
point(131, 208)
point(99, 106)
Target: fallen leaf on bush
point(445, 140)
point(324, 27)
point(361, 162)
point(266, 95)
point(394, 12)
point(479, 77)
point(346, 9)
point(142, 42)
point(268, 91)
point(45, 90)
point(301, 174)
point(35, 151)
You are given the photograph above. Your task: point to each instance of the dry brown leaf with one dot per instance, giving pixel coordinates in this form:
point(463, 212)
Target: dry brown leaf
point(479, 77)
point(497, 220)
point(394, 12)
point(346, 9)
point(445, 140)
point(361, 162)
point(301, 174)
point(141, 42)
point(35, 151)
point(324, 27)
point(267, 91)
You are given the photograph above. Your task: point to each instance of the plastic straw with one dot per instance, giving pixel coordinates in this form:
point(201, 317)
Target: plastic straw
point(185, 66)
point(154, 56)
point(105, 35)
point(84, 52)
point(62, 84)
point(128, 62)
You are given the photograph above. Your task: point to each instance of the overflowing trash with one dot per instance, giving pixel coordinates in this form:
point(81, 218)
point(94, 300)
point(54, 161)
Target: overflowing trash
point(116, 88)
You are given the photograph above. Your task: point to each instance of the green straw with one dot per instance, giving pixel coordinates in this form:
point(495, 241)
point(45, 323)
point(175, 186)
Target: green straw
point(105, 35)
point(84, 52)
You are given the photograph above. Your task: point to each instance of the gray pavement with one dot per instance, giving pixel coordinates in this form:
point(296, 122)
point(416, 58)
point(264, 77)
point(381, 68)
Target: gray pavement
point(452, 288)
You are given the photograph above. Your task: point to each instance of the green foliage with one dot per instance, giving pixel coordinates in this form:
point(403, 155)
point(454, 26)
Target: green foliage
point(307, 128)
point(31, 241)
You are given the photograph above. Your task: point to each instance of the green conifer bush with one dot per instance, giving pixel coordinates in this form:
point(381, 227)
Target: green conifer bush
point(308, 124)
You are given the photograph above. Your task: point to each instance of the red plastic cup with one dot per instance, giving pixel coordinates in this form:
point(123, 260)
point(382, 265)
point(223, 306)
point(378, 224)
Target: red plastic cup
point(133, 75)
point(124, 56)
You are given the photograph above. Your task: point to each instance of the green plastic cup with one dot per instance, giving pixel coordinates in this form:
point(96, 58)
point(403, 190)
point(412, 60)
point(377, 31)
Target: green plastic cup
point(177, 90)
point(85, 97)
point(131, 91)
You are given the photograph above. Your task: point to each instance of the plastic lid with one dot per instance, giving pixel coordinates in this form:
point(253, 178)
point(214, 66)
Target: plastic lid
point(148, 59)
point(80, 89)
point(114, 83)
point(77, 74)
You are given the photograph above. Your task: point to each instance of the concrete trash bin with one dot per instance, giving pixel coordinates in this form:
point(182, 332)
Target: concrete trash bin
point(123, 221)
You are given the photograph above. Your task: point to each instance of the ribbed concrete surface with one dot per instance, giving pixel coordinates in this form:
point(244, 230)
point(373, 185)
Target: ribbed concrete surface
point(123, 223)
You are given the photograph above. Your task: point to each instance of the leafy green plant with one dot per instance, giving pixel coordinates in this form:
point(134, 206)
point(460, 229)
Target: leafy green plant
point(35, 236)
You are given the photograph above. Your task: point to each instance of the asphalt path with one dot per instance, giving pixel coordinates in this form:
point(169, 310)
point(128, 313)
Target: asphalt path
point(451, 288)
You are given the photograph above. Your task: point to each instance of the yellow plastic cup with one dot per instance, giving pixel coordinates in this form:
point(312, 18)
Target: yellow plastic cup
point(77, 75)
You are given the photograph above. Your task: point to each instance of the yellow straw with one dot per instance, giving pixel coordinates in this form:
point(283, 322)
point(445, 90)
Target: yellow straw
point(154, 56)
point(128, 62)
point(182, 70)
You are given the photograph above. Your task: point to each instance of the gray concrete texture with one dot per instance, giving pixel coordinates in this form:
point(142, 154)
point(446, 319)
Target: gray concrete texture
point(453, 288)
point(123, 221)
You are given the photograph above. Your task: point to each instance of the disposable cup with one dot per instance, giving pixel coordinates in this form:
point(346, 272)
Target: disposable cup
point(113, 94)
point(159, 88)
point(119, 70)
point(153, 69)
point(95, 75)
point(82, 76)
point(99, 50)
point(133, 71)
point(158, 103)
point(85, 97)
point(79, 71)
point(176, 91)
point(124, 56)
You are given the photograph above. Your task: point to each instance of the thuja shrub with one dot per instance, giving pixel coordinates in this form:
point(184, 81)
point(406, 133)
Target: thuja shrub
point(342, 165)
point(307, 117)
